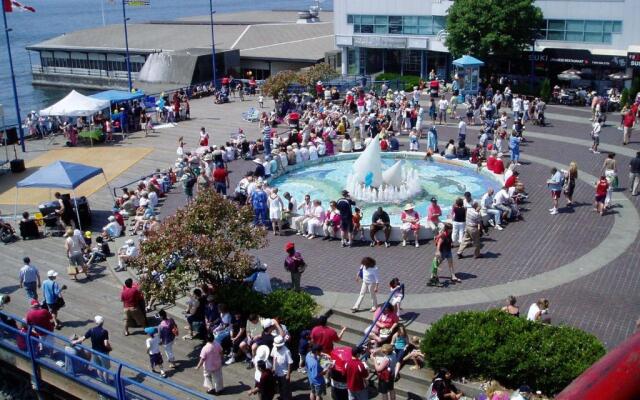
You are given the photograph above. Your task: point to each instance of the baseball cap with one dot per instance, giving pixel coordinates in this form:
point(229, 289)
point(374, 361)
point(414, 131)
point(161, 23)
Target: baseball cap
point(98, 319)
point(52, 273)
point(34, 303)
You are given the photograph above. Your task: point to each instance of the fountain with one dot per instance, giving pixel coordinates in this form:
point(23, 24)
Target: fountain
point(368, 182)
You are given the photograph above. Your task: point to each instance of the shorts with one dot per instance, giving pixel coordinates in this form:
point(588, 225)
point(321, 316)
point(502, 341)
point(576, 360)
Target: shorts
point(101, 361)
point(596, 140)
point(318, 390)
point(346, 224)
point(76, 259)
point(385, 386)
point(555, 194)
point(155, 359)
point(600, 199)
point(446, 255)
point(53, 308)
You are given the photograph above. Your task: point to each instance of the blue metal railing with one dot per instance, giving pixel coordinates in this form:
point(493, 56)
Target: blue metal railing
point(375, 320)
point(111, 378)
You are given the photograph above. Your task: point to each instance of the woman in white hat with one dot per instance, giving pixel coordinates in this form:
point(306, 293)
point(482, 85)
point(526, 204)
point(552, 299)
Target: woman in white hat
point(410, 223)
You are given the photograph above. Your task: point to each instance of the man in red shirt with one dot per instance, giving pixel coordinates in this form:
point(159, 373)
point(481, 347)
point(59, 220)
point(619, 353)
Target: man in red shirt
point(220, 180)
point(132, 301)
point(356, 372)
point(602, 186)
point(42, 318)
point(512, 180)
point(627, 124)
point(325, 336)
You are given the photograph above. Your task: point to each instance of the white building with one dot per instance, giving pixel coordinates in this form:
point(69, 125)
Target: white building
point(407, 36)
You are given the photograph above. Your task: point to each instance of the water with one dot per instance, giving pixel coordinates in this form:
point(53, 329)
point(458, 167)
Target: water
point(444, 181)
point(56, 17)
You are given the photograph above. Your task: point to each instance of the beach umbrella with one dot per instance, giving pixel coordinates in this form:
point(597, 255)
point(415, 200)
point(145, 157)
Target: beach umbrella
point(568, 77)
point(619, 76)
point(572, 71)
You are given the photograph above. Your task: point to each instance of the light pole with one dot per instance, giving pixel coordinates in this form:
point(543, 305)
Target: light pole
point(13, 80)
point(213, 45)
point(126, 43)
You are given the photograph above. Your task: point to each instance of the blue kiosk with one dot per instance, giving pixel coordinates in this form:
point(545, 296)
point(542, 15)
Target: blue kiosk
point(467, 75)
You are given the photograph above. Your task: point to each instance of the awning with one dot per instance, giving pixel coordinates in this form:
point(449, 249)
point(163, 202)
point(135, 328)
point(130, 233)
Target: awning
point(117, 96)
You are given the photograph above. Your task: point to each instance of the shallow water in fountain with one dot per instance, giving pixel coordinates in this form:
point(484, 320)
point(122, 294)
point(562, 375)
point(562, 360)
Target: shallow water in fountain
point(444, 181)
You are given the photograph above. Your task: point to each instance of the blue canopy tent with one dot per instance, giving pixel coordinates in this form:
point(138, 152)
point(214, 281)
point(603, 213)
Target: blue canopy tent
point(468, 72)
point(118, 96)
point(63, 175)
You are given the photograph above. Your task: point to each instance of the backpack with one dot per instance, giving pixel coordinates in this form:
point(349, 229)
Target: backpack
point(432, 394)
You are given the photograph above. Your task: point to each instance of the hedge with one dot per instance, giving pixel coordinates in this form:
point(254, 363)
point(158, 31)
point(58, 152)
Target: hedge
point(514, 351)
point(295, 309)
point(408, 81)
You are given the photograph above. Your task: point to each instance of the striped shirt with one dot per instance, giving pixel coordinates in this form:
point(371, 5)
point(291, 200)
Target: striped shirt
point(29, 274)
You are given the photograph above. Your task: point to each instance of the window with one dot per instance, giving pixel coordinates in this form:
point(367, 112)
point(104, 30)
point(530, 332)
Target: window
point(349, 19)
point(578, 30)
point(398, 24)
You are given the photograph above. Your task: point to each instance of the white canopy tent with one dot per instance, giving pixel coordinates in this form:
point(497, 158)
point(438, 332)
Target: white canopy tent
point(76, 105)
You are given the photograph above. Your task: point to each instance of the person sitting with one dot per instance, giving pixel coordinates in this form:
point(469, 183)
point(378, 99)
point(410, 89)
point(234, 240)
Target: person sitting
point(386, 324)
point(394, 144)
point(380, 222)
point(331, 223)
point(410, 223)
point(126, 252)
point(28, 227)
point(112, 230)
point(129, 205)
point(141, 219)
point(100, 252)
point(450, 151)
point(462, 152)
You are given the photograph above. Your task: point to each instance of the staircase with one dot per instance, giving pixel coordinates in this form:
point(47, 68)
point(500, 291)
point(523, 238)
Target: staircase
point(413, 385)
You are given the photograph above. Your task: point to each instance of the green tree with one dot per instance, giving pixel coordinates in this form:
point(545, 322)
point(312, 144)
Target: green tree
point(208, 241)
point(318, 72)
point(492, 28)
point(624, 97)
point(277, 84)
point(545, 90)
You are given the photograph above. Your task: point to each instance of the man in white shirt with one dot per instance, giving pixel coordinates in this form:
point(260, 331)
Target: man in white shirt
point(487, 209)
point(347, 145)
point(462, 130)
point(502, 201)
point(305, 212)
point(153, 199)
point(111, 230)
point(316, 220)
point(126, 252)
point(516, 107)
point(282, 362)
point(443, 104)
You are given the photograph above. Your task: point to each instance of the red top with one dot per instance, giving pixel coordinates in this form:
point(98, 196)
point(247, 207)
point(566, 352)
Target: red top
point(384, 145)
point(119, 218)
point(40, 317)
point(356, 373)
point(325, 337)
point(498, 166)
point(225, 81)
point(628, 120)
point(220, 175)
point(601, 189)
point(491, 163)
point(130, 297)
point(511, 181)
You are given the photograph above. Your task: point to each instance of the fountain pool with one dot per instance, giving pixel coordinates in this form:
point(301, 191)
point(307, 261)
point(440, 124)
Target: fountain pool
point(445, 180)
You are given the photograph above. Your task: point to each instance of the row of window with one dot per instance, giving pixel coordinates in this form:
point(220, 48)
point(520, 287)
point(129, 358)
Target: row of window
point(111, 62)
point(397, 24)
point(578, 30)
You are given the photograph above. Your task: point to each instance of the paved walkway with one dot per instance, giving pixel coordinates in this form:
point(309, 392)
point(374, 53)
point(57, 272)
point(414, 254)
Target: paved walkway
point(586, 265)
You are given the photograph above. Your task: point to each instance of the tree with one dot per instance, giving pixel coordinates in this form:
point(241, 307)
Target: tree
point(277, 84)
point(624, 97)
point(545, 90)
point(318, 72)
point(208, 241)
point(492, 28)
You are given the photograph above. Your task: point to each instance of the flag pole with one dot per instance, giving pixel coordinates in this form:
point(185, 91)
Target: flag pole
point(13, 79)
point(126, 41)
point(213, 46)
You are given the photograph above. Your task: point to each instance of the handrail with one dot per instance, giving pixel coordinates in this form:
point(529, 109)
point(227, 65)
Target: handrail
point(375, 321)
point(37, 349)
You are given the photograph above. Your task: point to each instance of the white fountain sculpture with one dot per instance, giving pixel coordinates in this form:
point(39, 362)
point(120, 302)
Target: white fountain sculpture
point(367, 181)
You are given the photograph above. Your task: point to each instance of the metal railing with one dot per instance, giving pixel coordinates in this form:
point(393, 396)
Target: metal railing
point(39, 69)
point(108, 377)
point(375, 320)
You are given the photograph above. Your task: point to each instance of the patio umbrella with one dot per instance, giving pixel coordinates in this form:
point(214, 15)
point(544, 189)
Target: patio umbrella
point(568, 77)
point(571, 71)
point(619, 76)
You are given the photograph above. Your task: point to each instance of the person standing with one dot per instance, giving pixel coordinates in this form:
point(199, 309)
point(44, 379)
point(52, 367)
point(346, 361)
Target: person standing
point(357, 373)
point(344, 205)
point(52, 293)
point(266, 384)
point(131, 298)
point(325, 336)
point(211, 358)
point(30, 279)
point(153, 350)
point(443, 251)
point(555, 184)
point(316, 373)
point(368, 273)
point(258, 201)
point(570, 178)
point(514, 144)
point(294, 263)
point(276, 210)
point(167, 332)
point(220, 177)
point(443, 105)
point(459, 215)
point(282, 362)
point(595, 135)
point(472, 231)
point(74, 247)
point(602, 187)
point(100, 344)
point(434, 212)
point(634, 174)
point(628, 120)
point(42, 318)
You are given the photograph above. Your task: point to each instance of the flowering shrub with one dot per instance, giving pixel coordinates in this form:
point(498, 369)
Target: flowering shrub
point(514, 351)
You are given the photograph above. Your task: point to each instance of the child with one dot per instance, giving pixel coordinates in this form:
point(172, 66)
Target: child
point(595, 136)
point(148, 126)
point(357, 227)
point(153, 349)
point(413, 141)
point(261, 101)
point(109, 129)
point(396, 299)
point(100, 252)
point(303, 349)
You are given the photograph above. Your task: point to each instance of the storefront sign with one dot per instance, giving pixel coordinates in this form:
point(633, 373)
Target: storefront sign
point(380, 42)
point(579, 58)
point(634, 60)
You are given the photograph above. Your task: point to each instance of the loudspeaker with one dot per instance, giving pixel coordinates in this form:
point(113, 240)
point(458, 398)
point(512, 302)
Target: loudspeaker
point(11, 136)
point(17, 166)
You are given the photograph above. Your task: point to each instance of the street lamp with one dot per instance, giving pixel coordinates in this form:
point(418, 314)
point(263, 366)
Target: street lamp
point(213, 45)
point(13, 79)
point(126, 42)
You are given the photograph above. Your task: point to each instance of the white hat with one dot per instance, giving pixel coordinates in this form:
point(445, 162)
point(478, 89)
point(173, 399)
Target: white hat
point(111, 218)
point(52, 273)
point(130, 242)
point(278, 341)
point(267, 323)
point(262, 353)
point(98, 319)
point(409, 206)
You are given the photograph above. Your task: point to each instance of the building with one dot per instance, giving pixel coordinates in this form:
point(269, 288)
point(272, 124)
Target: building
point(596, 36)
point(178, 52)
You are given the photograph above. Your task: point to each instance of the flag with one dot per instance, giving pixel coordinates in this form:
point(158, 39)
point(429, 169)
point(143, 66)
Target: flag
point(10, 4)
